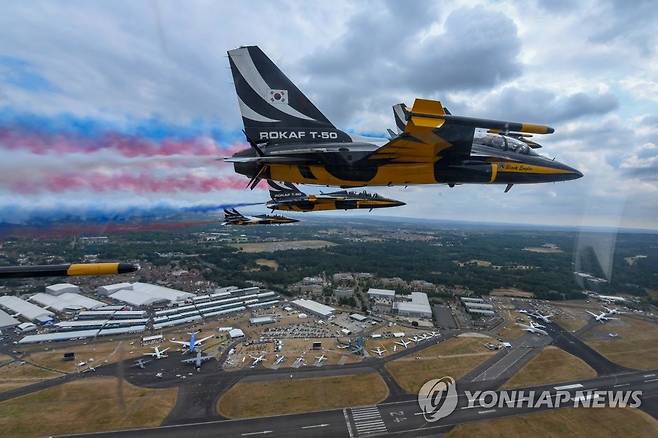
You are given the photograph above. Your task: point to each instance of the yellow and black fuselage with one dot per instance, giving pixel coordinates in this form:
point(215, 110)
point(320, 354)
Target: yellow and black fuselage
point(333, 201)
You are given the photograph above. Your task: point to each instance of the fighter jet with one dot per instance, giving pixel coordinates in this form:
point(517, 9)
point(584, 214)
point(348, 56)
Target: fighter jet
point(233, 217)
point(380, 351)
point(403, 343)
point(141, 363)
point(157, 353)
point(197, 361)
point(602, 317)
point(533, 328)
point(288, 197)
point(292, 141)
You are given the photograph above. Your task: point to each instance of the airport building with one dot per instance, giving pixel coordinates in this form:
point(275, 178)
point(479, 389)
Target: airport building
point(343, 292)
point(113, 314)
point(383, 294)
point(486, 306)
point(27, 310)
point(481, 312)
point(418, 306)
point(66, 302)
point(261, 320)
point(314, 307)
point(236, 333)
point(60, 288)
point(144, 294)
point(80, 334)
point(471, 300)
point(7, 321)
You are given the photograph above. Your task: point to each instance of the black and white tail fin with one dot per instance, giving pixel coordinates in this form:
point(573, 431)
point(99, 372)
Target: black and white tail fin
point(279, 191)
point(273, 109)
point(401, 115)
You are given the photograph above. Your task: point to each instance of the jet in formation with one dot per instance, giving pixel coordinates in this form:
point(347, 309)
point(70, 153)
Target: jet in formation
point(286, 196)
point(233, 217)
point(292, 141)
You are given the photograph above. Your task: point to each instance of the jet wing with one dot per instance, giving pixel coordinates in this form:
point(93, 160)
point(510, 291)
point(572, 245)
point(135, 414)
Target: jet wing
point(191, 360)
point(203, 339)
point(430, 133)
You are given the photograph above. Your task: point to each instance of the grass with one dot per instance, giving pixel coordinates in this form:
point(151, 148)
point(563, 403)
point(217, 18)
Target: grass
point(454, 357)
point(552, 365)
point(15, 376)
point(269, 263)
point(576, 422)
point(86, 405)
point(276, 397)
point(635, 347)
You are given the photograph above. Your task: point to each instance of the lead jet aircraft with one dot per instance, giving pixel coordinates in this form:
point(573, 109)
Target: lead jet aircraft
point(233, 217)
point(292, 141)
point(288, 197)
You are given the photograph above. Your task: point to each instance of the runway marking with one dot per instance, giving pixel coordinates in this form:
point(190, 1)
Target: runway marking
point(574, 386)
point(347, 421)
point(262, 432)
point(315, 425)
point(487, 411)
point(651, 380)
point(368, 420)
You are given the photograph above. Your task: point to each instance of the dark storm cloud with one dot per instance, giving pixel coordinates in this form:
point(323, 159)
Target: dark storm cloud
point(385, 52)
point(545, 106)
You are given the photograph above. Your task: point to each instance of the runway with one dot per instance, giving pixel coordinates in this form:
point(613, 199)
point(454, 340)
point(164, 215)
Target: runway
point(402, 418)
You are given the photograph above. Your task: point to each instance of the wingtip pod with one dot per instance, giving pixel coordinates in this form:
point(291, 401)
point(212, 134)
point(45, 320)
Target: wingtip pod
point(70, 270)
point(536, 129)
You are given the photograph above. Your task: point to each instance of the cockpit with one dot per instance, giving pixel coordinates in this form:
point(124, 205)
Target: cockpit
point(504, 143)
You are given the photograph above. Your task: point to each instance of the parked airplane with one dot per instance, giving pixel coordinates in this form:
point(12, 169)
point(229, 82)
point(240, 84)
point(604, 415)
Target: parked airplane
point(157, 353)
point(403, 343)
point(233, 217)
point(319, 359)
point(288, 197)
point(533, 328)
point(610, 298)
point(257, 359)
point(141, 363)
point(416, 339)
point(193, 342)
point(292, 141)
point(380, 351)
point(545, 318)
point(279, 359)
point(198, 360)
point(612, 311)
point(602, 317)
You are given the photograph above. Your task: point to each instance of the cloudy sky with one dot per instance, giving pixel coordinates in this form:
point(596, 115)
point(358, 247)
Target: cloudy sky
point(122, 106)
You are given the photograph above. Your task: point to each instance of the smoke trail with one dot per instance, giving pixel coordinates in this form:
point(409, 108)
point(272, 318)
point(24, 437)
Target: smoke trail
point(126, 145)
point(99, 182)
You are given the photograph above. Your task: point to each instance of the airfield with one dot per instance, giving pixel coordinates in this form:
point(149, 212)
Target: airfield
point(342, 394)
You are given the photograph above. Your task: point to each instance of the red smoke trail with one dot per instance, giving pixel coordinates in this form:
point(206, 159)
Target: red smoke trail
point(141, 183)
point(125, 145)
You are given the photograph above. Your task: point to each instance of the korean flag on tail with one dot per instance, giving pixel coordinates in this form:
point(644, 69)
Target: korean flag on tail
point(279, 97)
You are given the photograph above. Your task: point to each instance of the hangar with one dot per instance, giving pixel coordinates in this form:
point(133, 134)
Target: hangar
point(60, 288)
point(144, 294)
point(418, 306)
point(7, 321)
point(66, 301)
point(314, 307)
point(27, 310)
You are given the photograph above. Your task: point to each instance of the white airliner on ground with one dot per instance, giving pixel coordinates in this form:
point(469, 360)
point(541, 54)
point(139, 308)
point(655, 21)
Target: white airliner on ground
point(533, 328)
point(257, 359)
point(157, 353)
point(380, 351)
point(403, 343)
point(602, 317)
point(319, 359)
point(612, 311)
point(544, 318)
point(279, 359)
point(193, 342)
